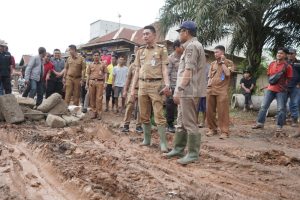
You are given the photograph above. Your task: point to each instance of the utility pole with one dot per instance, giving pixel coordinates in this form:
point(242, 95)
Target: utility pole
point(119, 16)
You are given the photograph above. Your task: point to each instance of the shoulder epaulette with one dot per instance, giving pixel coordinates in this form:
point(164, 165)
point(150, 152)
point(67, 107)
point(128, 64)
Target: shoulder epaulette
point(142, 47)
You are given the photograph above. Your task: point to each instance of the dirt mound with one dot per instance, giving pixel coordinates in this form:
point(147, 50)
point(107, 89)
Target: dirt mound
point(274, 157)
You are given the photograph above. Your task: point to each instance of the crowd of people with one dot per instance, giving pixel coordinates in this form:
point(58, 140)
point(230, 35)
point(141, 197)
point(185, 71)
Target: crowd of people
point(184, 83)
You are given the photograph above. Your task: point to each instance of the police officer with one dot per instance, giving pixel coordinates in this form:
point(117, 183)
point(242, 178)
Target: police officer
point(74, 71)
point(151, 72)
point(191, 84)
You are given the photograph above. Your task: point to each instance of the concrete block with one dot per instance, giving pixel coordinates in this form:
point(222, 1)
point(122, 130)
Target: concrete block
point(74, 109)
point(10, 109)
point(25, 101)
point(71, 120)
point(50, 103)
point(33, 115)
point(1, 117)
point(55, 121)
point(60, 108)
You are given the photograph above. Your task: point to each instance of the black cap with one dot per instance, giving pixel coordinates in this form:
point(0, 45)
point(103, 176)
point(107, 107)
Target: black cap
point(189, 25)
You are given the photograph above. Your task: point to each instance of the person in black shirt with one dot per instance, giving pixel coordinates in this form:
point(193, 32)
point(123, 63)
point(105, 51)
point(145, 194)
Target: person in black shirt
point(294, 87)
point(247, 86)
point(5, 68)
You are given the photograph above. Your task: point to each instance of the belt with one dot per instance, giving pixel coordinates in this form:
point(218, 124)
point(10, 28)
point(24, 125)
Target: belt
point(150, 79)
point(74, 76)
point(96, 79)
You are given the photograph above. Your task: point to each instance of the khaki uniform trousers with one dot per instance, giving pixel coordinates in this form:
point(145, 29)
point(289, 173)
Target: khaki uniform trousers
point(149, 95)
point(72, 89)
point(129, 109)
point(96, 95)
point(179, 117)
point(188, 115)
point(218, 104)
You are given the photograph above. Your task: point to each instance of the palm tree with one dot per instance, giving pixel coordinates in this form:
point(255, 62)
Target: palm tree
point(252, 24)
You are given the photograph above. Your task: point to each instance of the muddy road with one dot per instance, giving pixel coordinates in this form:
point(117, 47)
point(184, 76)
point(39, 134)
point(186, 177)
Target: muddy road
point(94, 160)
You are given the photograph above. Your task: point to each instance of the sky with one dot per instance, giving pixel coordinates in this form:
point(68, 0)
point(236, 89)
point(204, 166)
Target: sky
point(28, 24)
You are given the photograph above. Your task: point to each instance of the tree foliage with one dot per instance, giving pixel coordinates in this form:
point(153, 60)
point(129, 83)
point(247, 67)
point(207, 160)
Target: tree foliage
point(252, 24)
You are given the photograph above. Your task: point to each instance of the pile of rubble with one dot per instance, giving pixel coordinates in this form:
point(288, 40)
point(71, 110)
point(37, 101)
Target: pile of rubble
point(19, 109)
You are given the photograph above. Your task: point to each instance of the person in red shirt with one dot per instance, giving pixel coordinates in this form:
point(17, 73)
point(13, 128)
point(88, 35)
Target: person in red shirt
point(105, 57)
point(48, 71)
point(276, 91)
point(48, 67)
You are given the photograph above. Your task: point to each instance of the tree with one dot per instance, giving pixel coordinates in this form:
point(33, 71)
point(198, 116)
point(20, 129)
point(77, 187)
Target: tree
point(252, 24)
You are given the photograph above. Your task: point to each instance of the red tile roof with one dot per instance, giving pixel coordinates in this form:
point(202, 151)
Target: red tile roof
point(126, 34)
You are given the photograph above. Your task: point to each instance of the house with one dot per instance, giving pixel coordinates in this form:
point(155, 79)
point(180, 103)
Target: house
point(24, 61)
point(100, 28)
point(122, 41)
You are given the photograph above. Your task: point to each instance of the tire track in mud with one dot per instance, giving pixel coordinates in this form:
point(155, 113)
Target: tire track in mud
point(112, 166)
point(26, 177)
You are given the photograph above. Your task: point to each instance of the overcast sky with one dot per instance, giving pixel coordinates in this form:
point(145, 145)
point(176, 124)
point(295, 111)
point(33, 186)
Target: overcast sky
point(28, 24)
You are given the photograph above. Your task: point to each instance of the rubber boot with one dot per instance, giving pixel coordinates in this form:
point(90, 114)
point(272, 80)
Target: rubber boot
point(193, 149)
point(147, 134)
point(163, 138)
point(180, 140)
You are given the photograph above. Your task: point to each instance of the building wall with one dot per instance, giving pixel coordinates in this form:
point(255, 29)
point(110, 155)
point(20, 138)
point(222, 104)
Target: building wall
point(102, 27)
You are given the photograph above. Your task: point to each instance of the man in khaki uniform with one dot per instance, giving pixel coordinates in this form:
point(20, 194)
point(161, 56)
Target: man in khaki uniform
point(217, 93)
point(74, 70)
point(191, 84)
point(129, 104)
point(96, 77)
point(151, 71)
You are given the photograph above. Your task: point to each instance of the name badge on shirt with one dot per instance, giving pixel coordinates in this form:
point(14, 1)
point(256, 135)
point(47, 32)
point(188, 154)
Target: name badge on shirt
point(222, 76)
point(153, 61)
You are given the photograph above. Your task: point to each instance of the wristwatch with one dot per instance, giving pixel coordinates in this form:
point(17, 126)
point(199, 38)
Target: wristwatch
point(180, 88)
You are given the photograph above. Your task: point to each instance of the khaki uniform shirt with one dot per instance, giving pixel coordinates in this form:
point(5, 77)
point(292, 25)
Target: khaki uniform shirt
point(150, 59)
point(130, 76)
point(218, 82)
point(75, 67)
point(173, 68)
point(96, 71)
point(193, 58)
